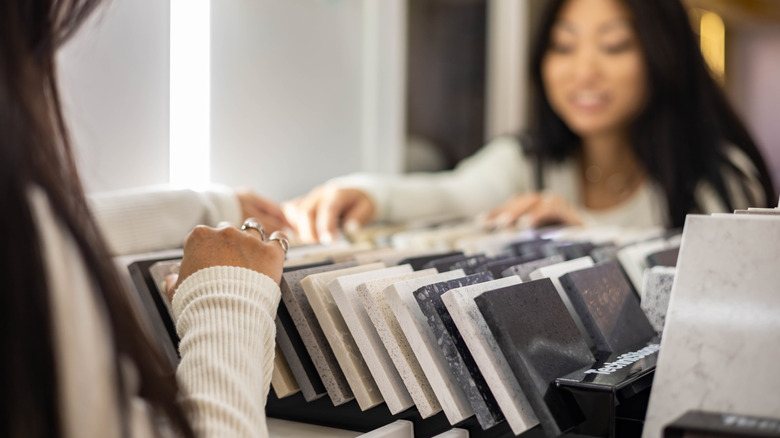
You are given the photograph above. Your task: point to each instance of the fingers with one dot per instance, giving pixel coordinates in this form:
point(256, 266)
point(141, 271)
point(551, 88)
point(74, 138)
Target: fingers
point(268, 212)
point(534, 210)
point(317, 216)
point(357, 216)
point(512, 210)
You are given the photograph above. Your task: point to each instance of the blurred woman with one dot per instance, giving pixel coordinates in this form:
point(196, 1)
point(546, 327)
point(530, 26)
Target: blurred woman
point(628, 128)
point(77, 359)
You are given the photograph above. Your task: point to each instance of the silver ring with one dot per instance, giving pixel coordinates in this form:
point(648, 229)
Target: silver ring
point(255, 226)
point(283, 242)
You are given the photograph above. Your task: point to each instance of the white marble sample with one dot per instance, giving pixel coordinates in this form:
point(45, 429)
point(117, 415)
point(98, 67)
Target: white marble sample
point(418, 333)
point(282, 380)
point(396, 429)
point(657, 285)
point(554, 273)
point(454, 433)
point(366, 337)
point(633, 258)
point(719, 352)
point(311, 333)
point(487, 354)
point(371, 294)
point(350, 360)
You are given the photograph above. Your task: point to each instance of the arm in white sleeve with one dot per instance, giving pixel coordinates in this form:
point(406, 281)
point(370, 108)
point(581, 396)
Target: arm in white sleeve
point(225, 319)
point(479, 183)
point(156, 218)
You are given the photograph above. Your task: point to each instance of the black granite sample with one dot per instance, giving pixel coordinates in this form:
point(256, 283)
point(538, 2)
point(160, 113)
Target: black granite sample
point(575, 250)
point(524, 270)
point(496, 267)
point(605, 253)
point(541, 342)
point(297, 357)
point(443, 264)
point(471, 265)
point(608, 307)
point(532, 247)
point(419, 262)
point(456, 353)
point(666, 257)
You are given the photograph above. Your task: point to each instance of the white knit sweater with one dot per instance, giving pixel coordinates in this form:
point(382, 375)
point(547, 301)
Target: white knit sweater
point(224, 316)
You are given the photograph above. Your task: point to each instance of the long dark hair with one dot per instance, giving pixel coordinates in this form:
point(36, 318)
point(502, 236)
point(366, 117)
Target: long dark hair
point(682, 134)
point(34, 152)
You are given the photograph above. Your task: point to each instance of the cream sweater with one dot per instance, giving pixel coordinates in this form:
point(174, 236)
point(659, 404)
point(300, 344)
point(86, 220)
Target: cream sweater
point(501, 170)
point(224, 316)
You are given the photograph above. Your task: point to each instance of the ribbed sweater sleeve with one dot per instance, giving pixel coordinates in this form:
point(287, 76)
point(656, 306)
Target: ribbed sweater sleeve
point(225, 319)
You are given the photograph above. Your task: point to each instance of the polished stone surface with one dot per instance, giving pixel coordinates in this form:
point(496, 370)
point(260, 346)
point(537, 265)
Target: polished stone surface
point(608, 307)
point(473, 264)
point(372, 296)
point(719, 351)
point(540, 342)
point(604, 253)
point(454, 350)
point(282, 380)
point(658, 288)
point(486, 353)
point(414, 324)
point(359, 378)
point(311, 333)
point(344, 291)
point(419, 262)
point(396, 429)
point(554, 272)
point(289, 341)
point(443, 264)
point(524, 270)
point(667, 257)
point(633, 258)
point(497, 267)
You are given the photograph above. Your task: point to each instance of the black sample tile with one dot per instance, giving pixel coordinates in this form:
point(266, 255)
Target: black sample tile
point(524, 270)
point(454, 349)
point(419, 262)
point(666, 257)
point(302, 367)
point(574, 250)
point(443, 264)
point(471, 265)
point(608, 307)
point(540, 341)
point(496, 267)
point(605, 253)
point(531, 247)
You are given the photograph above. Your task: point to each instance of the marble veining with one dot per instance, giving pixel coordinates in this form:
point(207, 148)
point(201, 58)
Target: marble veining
point(658, 288)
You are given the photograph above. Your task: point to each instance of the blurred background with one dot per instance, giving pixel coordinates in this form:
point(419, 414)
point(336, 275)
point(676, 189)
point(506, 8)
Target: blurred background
point(281, 95)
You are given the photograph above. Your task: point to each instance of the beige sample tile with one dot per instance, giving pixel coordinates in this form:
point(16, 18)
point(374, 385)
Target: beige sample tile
point(331, 322)
point(282, 380)
point(396, 429)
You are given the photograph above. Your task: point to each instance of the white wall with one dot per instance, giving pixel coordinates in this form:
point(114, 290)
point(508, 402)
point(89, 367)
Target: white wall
point(114, 82)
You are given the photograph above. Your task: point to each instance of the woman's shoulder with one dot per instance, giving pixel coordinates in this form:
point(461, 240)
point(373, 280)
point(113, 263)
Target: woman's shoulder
point(741, 180)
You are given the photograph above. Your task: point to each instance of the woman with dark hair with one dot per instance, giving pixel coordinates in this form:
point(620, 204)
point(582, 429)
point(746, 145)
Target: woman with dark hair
point(78, 359)
point(629, 128)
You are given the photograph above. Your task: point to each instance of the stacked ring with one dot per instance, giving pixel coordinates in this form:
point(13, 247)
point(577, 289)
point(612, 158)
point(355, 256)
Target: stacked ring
point(251, 224)
point(282, 239)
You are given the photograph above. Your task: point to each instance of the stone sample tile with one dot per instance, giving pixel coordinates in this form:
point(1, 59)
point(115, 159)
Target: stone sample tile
point(289, 341)
point(608, 307)
point(282, 380)
point(492, 244)
point(633, 258)
point(658, 288)
point(344, 291)
point(487, 354)
point(496, 267)
point(311, 333)
point(719, 351)
point(443, 264)
point(372, 296)
point(524, 270)
point(573, 250)
point(473, 264)
point(396, 429)
point(315, 287)
point(415, 327)
point(454, 433)
point(540, 342)
point(605, 253)
point(529, 248)
point(419, 262)
point(554, 273)
point(667, 257)
point(454, 351)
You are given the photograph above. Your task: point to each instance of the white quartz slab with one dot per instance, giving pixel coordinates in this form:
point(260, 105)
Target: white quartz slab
point(371, 294)
point(719, 352)
point(633, 258)
point(282, 379)
point(657, 285)
point(454, 433)
point(350, 360)
point(487, 354)
point(366, 337)
point(554, 273)
point(396, 429)
point(425, 347)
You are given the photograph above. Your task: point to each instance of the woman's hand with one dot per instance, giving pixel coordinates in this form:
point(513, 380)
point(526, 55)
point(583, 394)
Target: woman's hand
point(317, 216)
point(534, 210)
point(266, 212)
point(205, 247)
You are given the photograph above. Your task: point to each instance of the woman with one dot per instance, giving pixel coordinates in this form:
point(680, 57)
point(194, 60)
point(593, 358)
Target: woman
point(77, 359)
point(629, 128)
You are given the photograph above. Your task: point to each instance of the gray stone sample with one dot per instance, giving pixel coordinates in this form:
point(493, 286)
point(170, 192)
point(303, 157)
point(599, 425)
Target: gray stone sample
point(471, 265)
point(608, 307)
point(666, 257)
point(311, 333)
point(604, 253)
point(524, 270)
point(289, 341)
point(658, 288)
point(455, 351)
point(419, 262)
point(540, 342)
point(497, 266)
point(443, 264)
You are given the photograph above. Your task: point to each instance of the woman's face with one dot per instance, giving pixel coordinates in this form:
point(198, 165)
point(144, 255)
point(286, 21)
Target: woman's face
point(593, 71)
